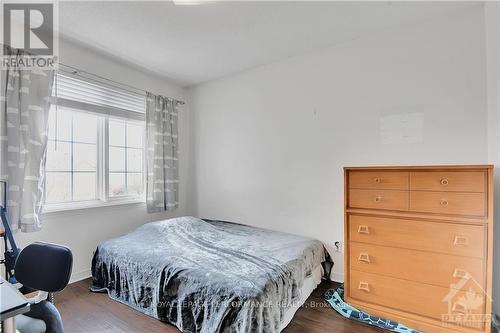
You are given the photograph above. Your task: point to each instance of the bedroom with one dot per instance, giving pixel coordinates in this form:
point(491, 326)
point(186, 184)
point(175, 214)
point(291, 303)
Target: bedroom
point(268, 103)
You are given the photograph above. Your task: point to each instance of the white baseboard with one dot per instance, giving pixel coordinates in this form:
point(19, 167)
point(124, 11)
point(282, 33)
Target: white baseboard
point(81, 275)
point(337, 277)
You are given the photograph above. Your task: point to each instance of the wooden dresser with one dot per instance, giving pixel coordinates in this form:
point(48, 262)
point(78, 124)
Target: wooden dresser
point(419, 244)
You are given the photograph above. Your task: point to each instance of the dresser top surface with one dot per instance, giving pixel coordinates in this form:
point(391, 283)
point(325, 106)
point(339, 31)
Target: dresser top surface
point(421, 167)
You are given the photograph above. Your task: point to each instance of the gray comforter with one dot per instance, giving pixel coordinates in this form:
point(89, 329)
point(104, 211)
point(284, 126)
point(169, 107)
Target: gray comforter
point(207, 276)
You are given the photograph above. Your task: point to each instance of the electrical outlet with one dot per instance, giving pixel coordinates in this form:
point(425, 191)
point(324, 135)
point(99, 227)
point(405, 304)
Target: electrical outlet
point(338, 246)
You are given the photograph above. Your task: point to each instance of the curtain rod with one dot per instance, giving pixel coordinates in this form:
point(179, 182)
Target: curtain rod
point(75, 71)
point(117, 84)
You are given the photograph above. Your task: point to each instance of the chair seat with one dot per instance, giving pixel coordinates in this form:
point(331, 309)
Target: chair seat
point(25, 324)
point(48, 314)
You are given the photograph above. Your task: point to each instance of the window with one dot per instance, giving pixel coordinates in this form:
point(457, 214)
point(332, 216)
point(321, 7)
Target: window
point(125, 158)
point(95, 152)
point(71, 169)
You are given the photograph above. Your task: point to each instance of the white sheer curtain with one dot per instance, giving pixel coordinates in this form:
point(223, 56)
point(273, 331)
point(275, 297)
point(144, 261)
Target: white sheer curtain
point(24, 109)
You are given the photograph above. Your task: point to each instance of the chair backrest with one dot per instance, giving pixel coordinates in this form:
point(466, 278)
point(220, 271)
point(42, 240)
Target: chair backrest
point(44, 266)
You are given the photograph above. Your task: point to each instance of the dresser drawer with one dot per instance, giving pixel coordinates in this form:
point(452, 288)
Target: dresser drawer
point(450, 203)
point(448, 238)
point(382, 180)
point(458, 181)
point(426, 267)
point(379, 199)
point(418, 298)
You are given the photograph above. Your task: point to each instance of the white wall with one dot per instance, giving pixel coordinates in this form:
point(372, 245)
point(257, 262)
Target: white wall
point(269, 144)
point(492, 33)
point(82, 230)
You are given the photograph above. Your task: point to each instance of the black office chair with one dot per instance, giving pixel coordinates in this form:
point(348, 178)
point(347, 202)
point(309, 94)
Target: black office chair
point(47, 268)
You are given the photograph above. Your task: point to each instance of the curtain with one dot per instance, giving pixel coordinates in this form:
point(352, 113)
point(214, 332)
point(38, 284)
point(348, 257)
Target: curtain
point(162, 185)
point(24, 111)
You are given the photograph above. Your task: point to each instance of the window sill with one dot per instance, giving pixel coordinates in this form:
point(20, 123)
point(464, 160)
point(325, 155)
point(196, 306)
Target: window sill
point(84, 206)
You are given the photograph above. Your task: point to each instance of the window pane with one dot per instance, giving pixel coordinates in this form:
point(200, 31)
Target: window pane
point(58, 156)
point(84, 157)
point(84, 186)
point(116, 133)
point(58, 186)
point(117, 184)
point(63, 125)
point(116, 159)
point(134, 159)
point(134, 183)
point(134, 135)
point(85, 128)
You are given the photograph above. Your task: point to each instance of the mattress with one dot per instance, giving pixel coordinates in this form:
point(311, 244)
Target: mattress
point(209, 276)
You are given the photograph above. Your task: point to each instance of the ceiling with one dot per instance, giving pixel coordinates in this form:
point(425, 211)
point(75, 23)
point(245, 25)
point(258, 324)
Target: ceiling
point(194, 44)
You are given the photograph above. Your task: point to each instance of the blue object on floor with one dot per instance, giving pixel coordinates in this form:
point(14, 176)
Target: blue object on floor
point(335, 297)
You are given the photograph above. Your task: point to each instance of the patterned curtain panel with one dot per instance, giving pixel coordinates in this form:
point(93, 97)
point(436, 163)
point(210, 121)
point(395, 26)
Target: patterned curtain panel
point(162, 160)
point(24, 115)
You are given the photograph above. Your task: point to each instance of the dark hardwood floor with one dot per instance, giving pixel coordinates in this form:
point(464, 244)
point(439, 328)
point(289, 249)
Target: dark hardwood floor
point(86, 312)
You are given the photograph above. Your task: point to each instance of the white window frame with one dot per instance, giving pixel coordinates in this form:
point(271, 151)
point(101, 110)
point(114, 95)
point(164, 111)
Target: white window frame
point(104, 113)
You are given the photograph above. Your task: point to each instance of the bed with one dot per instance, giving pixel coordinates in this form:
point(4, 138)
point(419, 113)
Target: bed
point(210, 276)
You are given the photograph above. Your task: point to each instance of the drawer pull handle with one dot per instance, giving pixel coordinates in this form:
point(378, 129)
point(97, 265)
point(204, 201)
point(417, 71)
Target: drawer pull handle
point(460, 241)
point(377, 180)
point(459, 307)
point(378, 198)
point(364, 286)
point(444, 181)
point(363, 229)
point(364, 257)
point(444, 203)
point(460, 273)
